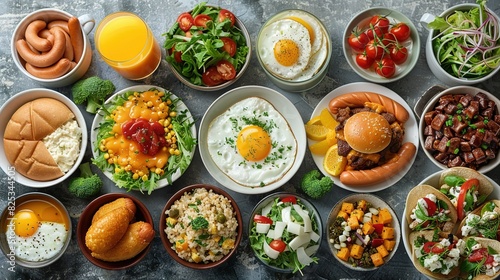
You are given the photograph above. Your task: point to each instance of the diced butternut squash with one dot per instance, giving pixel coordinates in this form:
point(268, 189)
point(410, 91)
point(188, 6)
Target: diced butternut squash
point(353, 222)
point(228, 244)
point(347, 207)
point(385, 216)
point(382, 251)
point(368, 228)
point(343, 215)
point(358, 213)
point(343, 254)
point(389, 244)
point(362, 204)
point(171, 222)
point(181, 245)
point(375, 219)
point(377, 259)
point(356, 251)
point(387, 233)
point(196, 257)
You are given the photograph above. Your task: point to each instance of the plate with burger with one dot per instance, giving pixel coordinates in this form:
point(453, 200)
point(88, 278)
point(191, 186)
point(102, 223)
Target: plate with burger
point(370, 137)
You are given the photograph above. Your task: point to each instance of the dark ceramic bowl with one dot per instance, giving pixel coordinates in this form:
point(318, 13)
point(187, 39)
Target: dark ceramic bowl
point(168, 245)
point(142, 214)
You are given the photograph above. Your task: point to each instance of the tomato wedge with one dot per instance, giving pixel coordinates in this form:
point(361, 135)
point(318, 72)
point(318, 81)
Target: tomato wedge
point(431, 207)
point(211, 77)
point(433, 247)
point(226, 14)
point(480, 254)
point(278, 245)
point(229, 45)
point(461, 196)
point(262, 219)
point(226, 69)
point(185, 21)
point(201, 20)
point(291, 199)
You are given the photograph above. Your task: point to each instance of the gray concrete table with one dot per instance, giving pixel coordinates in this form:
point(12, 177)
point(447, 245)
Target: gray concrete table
point(160, 14)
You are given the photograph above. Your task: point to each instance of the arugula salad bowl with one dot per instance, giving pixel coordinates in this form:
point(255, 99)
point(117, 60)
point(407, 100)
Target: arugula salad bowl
point(201, 226)
point(208, 48)
point(285, 232)
point(144, 138)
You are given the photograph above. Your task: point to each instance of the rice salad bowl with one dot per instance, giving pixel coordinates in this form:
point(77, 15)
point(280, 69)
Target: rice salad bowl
point(201, 226)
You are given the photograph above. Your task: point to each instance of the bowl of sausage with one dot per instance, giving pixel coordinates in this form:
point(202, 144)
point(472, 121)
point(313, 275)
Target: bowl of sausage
point(460, 126)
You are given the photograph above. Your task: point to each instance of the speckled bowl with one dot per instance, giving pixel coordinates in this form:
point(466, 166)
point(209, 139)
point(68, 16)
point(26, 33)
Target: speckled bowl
point(8, 215)
point(142, 214)
point(168, 245)
point(376, 202)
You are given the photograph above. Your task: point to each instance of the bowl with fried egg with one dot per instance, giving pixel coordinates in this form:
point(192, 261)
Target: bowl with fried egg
point(44, 137)
point(294, 49)
point(251, 139)
point(397, 57)
point(35, 230)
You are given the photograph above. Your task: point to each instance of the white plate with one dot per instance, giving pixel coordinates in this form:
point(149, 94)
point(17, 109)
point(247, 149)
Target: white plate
point(98, 118)
point(411, 132)
point(282, 104)
point(433, 180)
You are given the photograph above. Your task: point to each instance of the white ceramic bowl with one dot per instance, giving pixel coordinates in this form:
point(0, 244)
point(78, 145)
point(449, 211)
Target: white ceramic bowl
point(376, 202)
point(412, 44)
point(99, 118)
point(281, 104)
point(288, 85)
point(411, 133)
point(48, 15)
point(433, 180)
point(7, 215)
point(10, 107)
point(430, 106)
point(432, 62)
point(239, 24)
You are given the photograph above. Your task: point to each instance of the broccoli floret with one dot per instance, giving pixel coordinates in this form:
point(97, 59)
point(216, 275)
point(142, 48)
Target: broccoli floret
point(87, 185)
point(315, 185)
point(92, 90)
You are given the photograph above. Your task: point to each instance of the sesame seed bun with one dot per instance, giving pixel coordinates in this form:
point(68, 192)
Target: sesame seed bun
point(367, 132)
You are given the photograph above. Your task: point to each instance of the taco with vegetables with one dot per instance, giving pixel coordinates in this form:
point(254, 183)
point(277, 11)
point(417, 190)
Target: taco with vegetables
point(429, 209)
point(436, 253)
point(481, 259)
point(484, 221)
point(466, 188)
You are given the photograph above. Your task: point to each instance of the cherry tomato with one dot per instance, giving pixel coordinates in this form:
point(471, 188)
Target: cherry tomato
point(262, 219)
point(177, 55)
point(381, 22)
point(229, 46)
point(278, 245)
point(211, 77)
point(290, 198)
point(398, 53)
point(374, 32)
point(185, 21)
point(226, 69)
point(431, 207)
point(225, 14)
point(389, 39)
point(358, 40)
point(461, 196)
point(363, 61)
point(385, 67)
point(401, 31)
point(201, 20)
point(374, 49)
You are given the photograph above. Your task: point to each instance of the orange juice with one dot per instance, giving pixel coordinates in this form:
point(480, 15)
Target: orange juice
point(126, 43)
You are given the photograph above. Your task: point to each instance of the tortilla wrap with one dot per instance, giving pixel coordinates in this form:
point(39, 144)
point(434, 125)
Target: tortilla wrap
point(485, 242)
point(485, 186)
point(477, 211)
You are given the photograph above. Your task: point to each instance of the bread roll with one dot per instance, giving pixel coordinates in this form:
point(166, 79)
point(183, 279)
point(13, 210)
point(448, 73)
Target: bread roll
point(24, 133)
point(108, 207)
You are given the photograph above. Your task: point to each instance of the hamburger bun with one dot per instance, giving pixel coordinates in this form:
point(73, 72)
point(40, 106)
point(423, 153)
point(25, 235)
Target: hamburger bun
point(24, 148)
point(367, 132)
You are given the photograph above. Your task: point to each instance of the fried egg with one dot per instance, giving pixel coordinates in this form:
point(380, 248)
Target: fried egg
point(252, 143)
point(273, 46)
point(285, 48)
point(36, 232)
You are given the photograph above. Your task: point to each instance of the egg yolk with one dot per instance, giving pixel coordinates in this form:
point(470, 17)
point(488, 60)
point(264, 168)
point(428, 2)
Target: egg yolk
point(253, 143)
point(306, 25)
point(26, 223)
point(286, 52)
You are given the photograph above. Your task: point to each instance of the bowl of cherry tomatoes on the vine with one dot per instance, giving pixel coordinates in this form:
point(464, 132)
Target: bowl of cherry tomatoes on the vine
point(381, 45)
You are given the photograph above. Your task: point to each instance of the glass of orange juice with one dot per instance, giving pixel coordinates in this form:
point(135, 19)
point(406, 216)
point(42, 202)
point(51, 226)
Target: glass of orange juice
point(126, 43)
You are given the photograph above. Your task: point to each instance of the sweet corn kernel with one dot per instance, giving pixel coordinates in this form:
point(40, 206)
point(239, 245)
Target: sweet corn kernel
point(144, 178)
point(135, 176)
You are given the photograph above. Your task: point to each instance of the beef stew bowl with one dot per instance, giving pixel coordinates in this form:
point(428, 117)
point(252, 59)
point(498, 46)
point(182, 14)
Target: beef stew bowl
point(460, 126)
